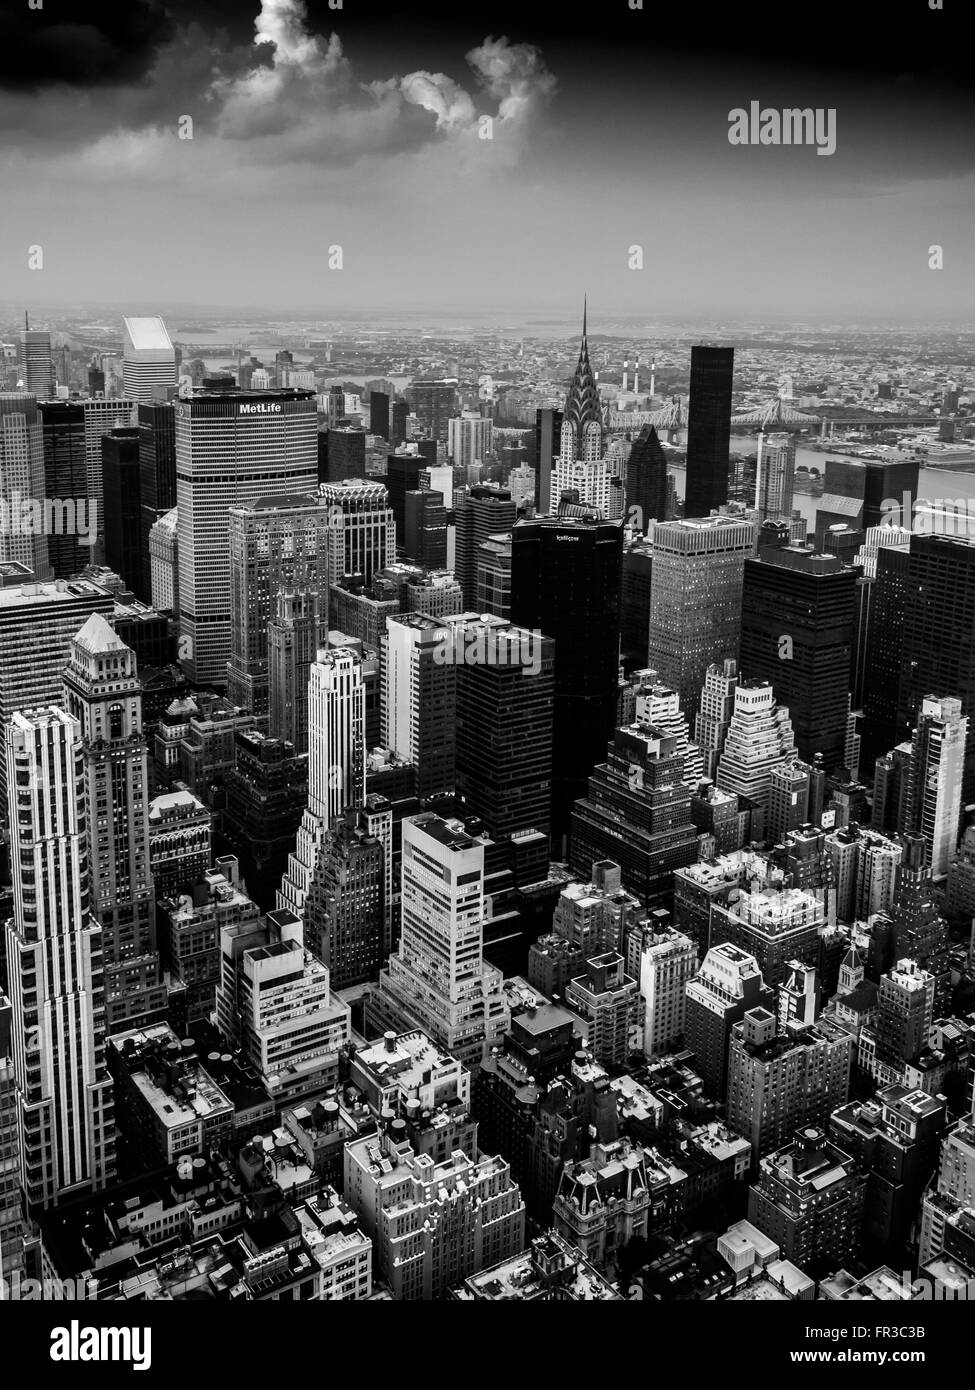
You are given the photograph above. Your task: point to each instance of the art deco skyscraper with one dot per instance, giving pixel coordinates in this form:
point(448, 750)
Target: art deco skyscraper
point(582, 418)
point(336, 763)
point(759, 738)
point(232, 447)
point(102, 691)
point(294, 636)
point(708, 429)
point(54, 963)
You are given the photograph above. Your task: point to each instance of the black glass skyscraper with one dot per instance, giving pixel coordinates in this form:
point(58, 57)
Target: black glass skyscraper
point(379, 413)
point(123, 505)
point(65, 476)
point(157, 475)
point(708, 429)
point(548, 434)
point(565, 582)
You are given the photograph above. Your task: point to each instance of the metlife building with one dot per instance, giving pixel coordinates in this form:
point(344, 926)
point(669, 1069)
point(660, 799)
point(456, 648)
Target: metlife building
point(232, 448)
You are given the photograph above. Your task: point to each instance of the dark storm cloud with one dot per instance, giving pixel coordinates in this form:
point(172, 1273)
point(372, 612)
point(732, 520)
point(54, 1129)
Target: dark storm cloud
point(112, 41)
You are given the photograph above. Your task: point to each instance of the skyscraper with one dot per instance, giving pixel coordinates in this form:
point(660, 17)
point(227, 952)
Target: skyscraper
point(23, 529)
point(419, 699)
point(157, 474)
point(481, 512)
point(708, 429)
point(797, 632)
point(695, 599)
point(102, 692)
point(278, 545)
point(469, 439)
point(646, 480)
point(379, 413)
point(565, 583)
point(231, 448)
point(38, 362)
point(363, 538)
point(504, 725)
point(148, 359)
point(548, 436)
point(775, 473)
point(581, 435)
point(121, 476)
point(759, 738)
point(336, 764)
point(728, 983)
point(425, 537)
point(65, 476)
point(934, 792)
point(54, 963)
point(439, 980)
point(434, 402)
point(294, 636)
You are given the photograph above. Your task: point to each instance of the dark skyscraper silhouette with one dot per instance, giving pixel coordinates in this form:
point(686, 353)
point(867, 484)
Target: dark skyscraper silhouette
point(646, 478)
point(708, 429)
point(565, 582)
point(548, 433)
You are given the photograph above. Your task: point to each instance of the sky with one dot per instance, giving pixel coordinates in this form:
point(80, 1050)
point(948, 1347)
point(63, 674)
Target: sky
point(362, 127)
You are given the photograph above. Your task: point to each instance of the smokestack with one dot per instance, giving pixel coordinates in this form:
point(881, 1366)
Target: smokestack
point(626, 372)
point(653, 369)
point(636, 377)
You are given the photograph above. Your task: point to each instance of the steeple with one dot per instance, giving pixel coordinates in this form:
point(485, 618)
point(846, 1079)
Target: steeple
point(582, 421)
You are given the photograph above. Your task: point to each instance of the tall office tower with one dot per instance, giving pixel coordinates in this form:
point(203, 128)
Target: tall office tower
point(494, 576)
point(277, 545)
point(636, 811)
point(636, 581)
point(728, 984)
point(404, 473)
point(470, 438)
point(54, 965)
point(379, 414)
point(164, 564)
point(25, 515)
point(148, 359)
point(646, 480)
point(100, 417)
point(798, 613)
point(565, 583)
point(923, 637)
point(294, 636)
point(937, 769)
point(548, 438)
point(37, 623)
point(609, 1002)
point(38, 362)
point(232, 448)
point(65, 476)
point(595, 917)
point(778, 1082)
point(759, 737)
point(714, 718)
point(581, 435)
point(695, 599)
point(503, 725)
point(809, 1200)
point(13, 1228)
point(399, 414)
point(593, 486)
point(481, 512)
point(425, 537)
point(419, 699)
point(361, 520)
point(336, 764)
point(102, 692)
point(656, 704)
point(439, 980)
point(345, 454)
point(776, 926)
point(863, 493)
point(663, 962)
point(123, 506)
point(345, 913)
point(774, 476)
point(708, 429)
point(434, 401)
point(157, 474)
